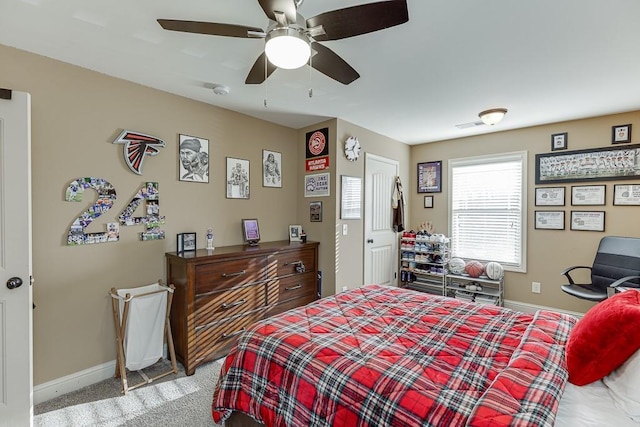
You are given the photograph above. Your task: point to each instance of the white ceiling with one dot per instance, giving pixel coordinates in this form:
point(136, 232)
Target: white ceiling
point(544, 60)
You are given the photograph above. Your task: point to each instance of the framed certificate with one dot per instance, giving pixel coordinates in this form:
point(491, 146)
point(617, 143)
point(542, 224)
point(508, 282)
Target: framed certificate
point(626, 195)
point(588, 195)
point(549, 220)
point(587, 221)
point(550, 196)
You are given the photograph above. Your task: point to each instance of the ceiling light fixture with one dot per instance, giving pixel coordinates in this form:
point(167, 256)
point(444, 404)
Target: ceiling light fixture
point(287, 48)
point(492, 116)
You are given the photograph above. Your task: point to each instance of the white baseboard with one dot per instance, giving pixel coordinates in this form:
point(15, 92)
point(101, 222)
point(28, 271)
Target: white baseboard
point(532, 308)
point(58, 387)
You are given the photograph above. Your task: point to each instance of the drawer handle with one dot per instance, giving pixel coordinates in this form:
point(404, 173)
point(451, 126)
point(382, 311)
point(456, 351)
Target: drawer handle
point(293, 288)
point(233, 304)
point(232, 334)
point(239, 273)
point(300, 268)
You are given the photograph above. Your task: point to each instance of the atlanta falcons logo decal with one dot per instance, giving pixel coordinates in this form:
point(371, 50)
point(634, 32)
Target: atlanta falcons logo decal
point(136, 146)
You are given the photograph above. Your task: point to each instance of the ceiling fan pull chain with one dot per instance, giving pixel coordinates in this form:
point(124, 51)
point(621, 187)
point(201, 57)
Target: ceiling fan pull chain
point(310, 63)
point(265, 81)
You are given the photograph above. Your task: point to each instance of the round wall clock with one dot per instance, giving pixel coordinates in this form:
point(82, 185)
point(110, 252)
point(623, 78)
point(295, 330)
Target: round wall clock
point(352, 148)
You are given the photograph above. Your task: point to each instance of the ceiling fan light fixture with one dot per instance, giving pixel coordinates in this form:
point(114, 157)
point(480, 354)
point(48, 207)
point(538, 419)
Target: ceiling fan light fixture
point(287, 48)
point(492, 116)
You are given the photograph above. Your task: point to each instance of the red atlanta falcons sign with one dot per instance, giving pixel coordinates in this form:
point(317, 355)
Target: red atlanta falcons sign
point(136, 146)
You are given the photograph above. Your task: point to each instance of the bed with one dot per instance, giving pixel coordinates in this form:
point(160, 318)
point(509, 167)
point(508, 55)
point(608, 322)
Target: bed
point(385, 356)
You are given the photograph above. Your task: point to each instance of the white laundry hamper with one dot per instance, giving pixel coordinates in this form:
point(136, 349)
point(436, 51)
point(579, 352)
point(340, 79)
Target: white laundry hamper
point(141, 320)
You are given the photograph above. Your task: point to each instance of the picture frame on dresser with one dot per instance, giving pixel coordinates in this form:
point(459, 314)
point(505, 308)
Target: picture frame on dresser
point(251, 231)
point(188, 242)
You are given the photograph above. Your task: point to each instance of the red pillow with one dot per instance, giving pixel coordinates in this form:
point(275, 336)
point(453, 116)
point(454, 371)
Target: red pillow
point(607, 335)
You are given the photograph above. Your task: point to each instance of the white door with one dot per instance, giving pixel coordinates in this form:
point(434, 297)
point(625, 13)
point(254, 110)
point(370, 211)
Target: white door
point(380, 247)
point(16, 379)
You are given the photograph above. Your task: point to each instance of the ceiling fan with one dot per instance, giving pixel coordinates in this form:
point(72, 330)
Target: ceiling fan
point(287, 25)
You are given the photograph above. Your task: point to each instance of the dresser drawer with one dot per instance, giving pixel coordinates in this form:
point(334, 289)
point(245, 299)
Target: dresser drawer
point(288, 305)
point(214, 341)
point(223, 275)
point(295, 286)
point(285, 263)
point(216, 306)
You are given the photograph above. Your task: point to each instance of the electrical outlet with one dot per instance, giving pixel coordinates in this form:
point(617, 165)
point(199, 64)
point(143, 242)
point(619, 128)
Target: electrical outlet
point(535, 287)
point(344, 288)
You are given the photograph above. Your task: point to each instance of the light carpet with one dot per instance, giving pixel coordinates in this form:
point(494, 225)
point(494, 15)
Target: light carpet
point(175, 400)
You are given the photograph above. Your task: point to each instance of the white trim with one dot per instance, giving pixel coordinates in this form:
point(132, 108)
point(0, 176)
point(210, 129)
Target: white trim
point(532, 308)
point(76, 381)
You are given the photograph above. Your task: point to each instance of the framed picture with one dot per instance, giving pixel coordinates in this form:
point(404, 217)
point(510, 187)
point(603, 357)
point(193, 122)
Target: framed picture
point(295, 232)
point(559, 141)
point(587, 220)
point(588, 195)
point(428, 201)
point(351, 197)
point(271, 169)
point(620, 134)
point(315, 211)
point(186, 242)
point(194, 159)
point(549, 220)
point(250, 231)
point(550, 196)
point(237, 178)
point(317, 185)
point(430, 177)
point(180, 243)
point(600, 164)
point(626, 195)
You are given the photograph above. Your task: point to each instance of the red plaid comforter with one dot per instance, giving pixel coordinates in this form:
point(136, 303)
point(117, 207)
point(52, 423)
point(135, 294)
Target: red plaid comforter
point(383, 356)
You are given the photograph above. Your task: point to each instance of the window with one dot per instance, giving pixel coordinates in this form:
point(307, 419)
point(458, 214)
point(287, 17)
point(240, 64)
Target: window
point(487, 209)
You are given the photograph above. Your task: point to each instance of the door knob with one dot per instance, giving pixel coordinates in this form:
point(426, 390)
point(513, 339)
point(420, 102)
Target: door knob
point(369, 240)
point(14, 282)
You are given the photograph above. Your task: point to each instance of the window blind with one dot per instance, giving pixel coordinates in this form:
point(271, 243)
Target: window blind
point(487, 207)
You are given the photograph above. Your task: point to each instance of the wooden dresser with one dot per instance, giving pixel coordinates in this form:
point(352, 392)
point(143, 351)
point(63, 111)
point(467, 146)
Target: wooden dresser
point(220, 293)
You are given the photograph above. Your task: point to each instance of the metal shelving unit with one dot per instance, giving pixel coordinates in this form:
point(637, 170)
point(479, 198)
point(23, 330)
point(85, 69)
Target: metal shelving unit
point(423, 267)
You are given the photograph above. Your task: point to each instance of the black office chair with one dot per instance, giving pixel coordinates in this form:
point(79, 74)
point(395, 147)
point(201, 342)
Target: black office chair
point(617, 264)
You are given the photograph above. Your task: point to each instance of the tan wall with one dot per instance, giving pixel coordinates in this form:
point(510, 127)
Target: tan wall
point(548, 251)
point(341, 256)
point(76, 114)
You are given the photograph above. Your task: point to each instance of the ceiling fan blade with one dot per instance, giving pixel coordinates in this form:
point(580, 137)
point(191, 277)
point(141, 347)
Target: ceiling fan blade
point(287, 7)
point(330, 64)
point(362, 19)
point(256, 75)
point(211, 28)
